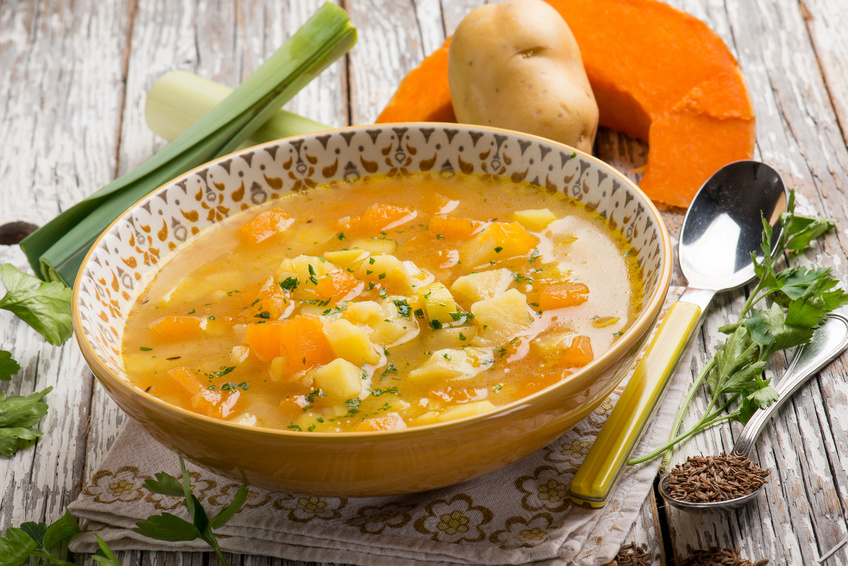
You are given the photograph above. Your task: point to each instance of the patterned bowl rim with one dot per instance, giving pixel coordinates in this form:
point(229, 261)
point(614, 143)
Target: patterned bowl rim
point(641, 325)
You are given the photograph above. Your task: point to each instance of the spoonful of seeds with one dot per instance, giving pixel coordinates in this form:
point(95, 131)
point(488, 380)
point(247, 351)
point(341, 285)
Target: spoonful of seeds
point(708, 483)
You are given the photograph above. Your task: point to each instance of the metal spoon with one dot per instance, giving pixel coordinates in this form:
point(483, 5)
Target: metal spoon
point(827, 343)
point(721, 230)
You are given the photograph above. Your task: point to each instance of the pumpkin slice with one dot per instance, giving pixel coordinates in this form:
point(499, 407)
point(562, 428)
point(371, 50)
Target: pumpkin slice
point(658, 74)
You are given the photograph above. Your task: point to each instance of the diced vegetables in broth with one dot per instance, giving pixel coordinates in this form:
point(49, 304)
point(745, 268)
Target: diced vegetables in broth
point(383, 303)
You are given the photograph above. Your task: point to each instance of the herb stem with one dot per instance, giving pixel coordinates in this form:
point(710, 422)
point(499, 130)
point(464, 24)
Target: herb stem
point(666, 461)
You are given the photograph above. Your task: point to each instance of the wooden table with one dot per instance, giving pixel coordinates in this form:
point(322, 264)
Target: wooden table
point(74, 77)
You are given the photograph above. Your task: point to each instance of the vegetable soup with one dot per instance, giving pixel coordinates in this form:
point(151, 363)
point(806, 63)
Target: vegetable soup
point(383, 303)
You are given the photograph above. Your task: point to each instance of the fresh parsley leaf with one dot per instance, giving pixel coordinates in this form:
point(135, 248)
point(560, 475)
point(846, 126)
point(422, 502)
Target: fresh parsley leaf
point(800, 231)
point(8, 366)
point(169, 527)
point(18, 416)
point(104, 555)
point(37, 540)
point(16, 547)
point(46, 307)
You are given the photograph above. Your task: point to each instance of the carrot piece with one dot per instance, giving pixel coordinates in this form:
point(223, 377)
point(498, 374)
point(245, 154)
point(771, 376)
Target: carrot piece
point(304, 344)
point(536, 383)
point(264, 225)
point(215, 402)
point(561, 295)
point(389, 421)
point(264, 339)
point(578, 353)
point(185, 379)
point(379, 217)
point(458, 395)
point(338, 286)
point(687, 99)
point(177, 328)
point(454, 228)
point(512, 239)
point(424, 94)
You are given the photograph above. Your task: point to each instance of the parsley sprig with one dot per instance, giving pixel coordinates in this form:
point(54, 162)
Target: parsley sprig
point(46, 307)
point(169, 527)
point(799, 299)
point(47, 542)
point(18, 416)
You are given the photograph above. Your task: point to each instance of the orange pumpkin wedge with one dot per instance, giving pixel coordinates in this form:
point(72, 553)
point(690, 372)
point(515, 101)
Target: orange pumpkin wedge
point(658, 74)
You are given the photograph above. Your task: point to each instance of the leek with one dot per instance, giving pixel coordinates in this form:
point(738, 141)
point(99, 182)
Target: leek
point(178, 99)
point(56, 250)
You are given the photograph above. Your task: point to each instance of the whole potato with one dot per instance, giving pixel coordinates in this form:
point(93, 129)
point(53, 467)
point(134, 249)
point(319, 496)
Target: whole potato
point(517, 66)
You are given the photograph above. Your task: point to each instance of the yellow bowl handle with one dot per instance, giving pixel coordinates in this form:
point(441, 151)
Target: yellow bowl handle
point(596, 477)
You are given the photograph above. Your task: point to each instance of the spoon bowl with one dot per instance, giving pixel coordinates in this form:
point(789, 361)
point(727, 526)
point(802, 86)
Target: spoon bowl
point(723, 226)
point(827, 343)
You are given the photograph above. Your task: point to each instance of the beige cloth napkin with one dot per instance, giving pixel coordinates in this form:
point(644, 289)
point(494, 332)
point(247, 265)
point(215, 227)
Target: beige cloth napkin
point(520, 514)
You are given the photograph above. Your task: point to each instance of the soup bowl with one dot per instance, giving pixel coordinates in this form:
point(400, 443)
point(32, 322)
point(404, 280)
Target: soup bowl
point(129, 253)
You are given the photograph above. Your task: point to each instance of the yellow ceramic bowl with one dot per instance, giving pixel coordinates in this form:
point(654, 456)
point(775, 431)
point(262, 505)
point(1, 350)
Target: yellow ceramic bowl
point(127, 255)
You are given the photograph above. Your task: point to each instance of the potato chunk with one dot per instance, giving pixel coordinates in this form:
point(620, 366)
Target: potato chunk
point(339, 380)
point(482, 285)
point(534, 220)
point(465, 410)
point(438, 302)
point(304, 267)
point(501, 318)
point(346, 259)
point(350, 342)
point(451, 364)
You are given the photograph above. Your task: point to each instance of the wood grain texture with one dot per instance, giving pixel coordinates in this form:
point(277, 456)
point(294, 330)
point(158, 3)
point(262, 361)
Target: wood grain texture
point(72, 118)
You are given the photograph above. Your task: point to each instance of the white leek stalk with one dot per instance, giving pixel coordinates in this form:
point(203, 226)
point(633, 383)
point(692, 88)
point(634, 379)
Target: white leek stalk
point(178, 99)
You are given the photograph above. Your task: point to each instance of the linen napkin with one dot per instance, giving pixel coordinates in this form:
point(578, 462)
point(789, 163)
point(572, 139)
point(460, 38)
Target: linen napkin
point(521, 514)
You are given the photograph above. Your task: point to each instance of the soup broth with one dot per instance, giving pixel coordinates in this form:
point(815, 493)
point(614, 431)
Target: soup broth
point(383, 303)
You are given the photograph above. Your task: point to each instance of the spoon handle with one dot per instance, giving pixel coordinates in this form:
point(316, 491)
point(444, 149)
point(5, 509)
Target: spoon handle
point(827, 343)
point(600, 470)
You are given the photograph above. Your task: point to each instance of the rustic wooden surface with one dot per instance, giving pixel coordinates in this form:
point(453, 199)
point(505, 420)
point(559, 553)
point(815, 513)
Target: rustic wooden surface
point(74, 75)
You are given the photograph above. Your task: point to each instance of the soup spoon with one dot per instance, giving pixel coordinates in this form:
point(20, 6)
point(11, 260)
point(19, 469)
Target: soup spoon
point(721, 230)
point(827, 343)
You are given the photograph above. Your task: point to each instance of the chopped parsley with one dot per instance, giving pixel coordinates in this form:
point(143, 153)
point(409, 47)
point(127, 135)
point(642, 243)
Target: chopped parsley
point(290, 283)
point(378, 392)
point(222, 371)
point(403, 308)
point(353, 405)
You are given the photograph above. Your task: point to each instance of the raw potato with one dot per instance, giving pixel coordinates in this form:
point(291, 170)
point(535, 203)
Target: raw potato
point(517, 66)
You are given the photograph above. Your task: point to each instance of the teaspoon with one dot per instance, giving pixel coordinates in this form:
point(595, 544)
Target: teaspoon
point(827, 343)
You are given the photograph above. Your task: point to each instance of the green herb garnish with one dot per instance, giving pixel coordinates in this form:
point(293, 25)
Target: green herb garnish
point(18, 416)
point(800, 299)
point(46, 307)
point(169, 527)
point(289, 284)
